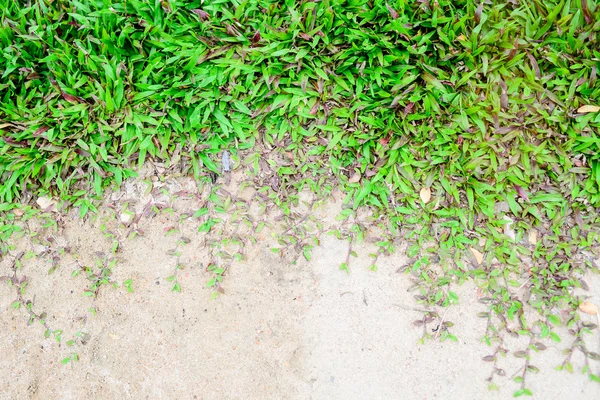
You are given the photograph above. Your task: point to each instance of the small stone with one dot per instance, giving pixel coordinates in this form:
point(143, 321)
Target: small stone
point(126, 218)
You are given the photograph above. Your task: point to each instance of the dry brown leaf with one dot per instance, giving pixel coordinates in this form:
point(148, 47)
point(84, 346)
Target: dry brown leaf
point(504, 96)
point(425, 194)
point(588, 108)
point(477, 254)
point(588, 308)
point(533, 237)
point(47, 203)
point(355, 178)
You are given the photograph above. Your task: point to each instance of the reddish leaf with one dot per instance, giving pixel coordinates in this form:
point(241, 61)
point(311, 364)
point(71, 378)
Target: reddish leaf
point(534, 65)
point(232, 31)
point(521, 192)
point(305, 36)
point(18, 143)
point(385, 140)
point(202, 15)
point(320, 33)
point(256, 38)
point(504, 96)
point(393, 12)
point(41, 130)
point(315, 108)
point(489, 358)
point(71, 98)
point(589, 19)
point(409, 109)
point(478, 12)
point(459, 140)
point(513, 52)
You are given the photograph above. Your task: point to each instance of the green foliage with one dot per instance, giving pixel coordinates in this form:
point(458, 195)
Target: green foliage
point(471, 100)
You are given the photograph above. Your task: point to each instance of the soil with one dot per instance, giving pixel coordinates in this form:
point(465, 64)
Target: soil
point(284, 327)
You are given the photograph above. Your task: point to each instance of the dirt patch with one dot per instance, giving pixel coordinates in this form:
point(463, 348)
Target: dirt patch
point(284, 327)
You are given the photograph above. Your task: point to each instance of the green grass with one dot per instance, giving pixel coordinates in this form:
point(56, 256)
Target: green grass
point(479, 102)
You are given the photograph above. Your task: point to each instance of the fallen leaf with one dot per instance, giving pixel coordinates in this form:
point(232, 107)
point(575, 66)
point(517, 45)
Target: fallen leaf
point(504, 96)
point(355, 178)
point(477, 254)
point(47, 203)
point(533, 237)
point(425, 194)
point(588, 308)
point(588, 109)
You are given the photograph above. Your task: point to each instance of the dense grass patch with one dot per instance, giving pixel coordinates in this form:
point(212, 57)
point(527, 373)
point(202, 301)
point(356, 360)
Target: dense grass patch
point(474, 100)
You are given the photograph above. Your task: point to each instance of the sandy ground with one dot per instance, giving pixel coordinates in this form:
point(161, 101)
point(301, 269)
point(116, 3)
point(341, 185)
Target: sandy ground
point(284, 330)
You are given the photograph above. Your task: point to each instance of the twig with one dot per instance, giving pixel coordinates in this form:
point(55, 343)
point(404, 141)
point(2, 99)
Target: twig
point(437, 333)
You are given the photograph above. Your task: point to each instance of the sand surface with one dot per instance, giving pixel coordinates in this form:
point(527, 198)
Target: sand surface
point(282, 329)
